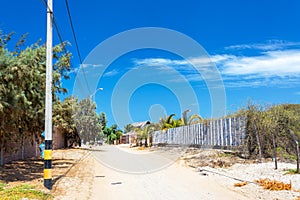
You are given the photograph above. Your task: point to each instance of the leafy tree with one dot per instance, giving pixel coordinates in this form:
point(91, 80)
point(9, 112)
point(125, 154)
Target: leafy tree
point(145, 134)
point(63, 118)
point(119, 134)
point(102, 120)
point(268, 129)
point(87, 120)
point(22, 88)
point(128, 128)
point(112, 133)
point(100, 135)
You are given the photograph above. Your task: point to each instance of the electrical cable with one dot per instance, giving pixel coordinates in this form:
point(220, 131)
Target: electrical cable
point(76, 43)
point(56, 27)
point(64, 47)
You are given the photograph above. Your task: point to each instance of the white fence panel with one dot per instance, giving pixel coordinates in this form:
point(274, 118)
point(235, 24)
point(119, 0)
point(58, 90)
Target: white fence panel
point(222, 132)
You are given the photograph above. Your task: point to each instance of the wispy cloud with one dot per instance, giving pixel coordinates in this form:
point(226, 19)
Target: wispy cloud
point(201, 60)
point(271, 63)
point(277, 68)
point(184, 67)
point(73, 70)
point(86, 65)
point(159, 62)
point(268, 46)
point(111, 73)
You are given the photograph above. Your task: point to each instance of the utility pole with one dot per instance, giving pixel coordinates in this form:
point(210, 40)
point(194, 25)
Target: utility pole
point(48, 103)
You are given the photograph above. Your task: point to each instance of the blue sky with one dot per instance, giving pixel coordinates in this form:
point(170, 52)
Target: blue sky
point(255, 45)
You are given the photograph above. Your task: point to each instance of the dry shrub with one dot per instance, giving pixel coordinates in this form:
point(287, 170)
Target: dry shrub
point(219, 163)
point(241, 184)
point(141, 148)
point(273, 184)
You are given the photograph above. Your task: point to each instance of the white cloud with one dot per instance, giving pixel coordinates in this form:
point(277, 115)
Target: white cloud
point(271, 63)
point(277, 67)
point(86, 65)
point(183, 67)
point(201, 60)
point(111, 73)
point(159, 62)
point(269, 45)
point(73, 70)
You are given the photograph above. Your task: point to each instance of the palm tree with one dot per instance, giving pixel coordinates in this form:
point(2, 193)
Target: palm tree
point(128, 128)
point(145, 134)
point(195, 119)
point(169, 122)
point(139, 136)
point(148, 130)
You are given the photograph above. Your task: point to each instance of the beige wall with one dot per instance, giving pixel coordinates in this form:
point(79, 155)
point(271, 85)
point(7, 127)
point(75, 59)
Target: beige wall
point(58, 139)
point(31, 149)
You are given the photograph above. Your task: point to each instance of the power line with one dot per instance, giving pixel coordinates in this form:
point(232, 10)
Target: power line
point(56, 27)
point(64, 47)
point(76, 43)
point(73, 31)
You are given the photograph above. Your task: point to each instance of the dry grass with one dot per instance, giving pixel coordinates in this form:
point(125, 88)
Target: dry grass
point(241, 184)
point(211, 158)
point(141, 148)
point(30, 171)
point(274, 185)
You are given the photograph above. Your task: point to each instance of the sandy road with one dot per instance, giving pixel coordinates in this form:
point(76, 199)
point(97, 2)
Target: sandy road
point(172, 182)
point(135, 177)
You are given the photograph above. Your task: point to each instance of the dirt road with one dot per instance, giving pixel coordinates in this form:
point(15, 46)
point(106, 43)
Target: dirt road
point(172, 182)
point(112, 172)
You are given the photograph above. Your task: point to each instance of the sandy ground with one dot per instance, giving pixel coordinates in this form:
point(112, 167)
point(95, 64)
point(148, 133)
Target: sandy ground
point(77, 182)
point(228, 170)
point(251, 172)
point(199, 174)
point(174, 182)
point(30, 171)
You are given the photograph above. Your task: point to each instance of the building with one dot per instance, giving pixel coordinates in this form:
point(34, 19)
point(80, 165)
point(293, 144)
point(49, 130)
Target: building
point(130, 137)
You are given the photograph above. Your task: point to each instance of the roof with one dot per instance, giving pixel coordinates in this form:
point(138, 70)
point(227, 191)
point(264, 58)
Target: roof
point(140, 124)
point(129, 133)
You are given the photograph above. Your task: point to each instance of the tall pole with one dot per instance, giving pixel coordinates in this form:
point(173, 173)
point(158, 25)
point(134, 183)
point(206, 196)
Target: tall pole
point(90, 97)
point(48, 103)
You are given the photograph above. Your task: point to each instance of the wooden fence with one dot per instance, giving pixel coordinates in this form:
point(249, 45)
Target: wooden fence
point(227, 132)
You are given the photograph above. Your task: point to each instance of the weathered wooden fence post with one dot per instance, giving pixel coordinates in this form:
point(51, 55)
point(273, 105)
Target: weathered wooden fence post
point(297, 149)
point(274, 150)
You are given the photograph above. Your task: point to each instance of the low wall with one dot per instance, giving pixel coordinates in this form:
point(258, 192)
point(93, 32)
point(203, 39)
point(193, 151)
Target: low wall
point(58, 139)
point(31, 147)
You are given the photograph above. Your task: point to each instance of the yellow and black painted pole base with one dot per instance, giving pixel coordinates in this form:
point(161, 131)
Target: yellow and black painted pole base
point(48, 164)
